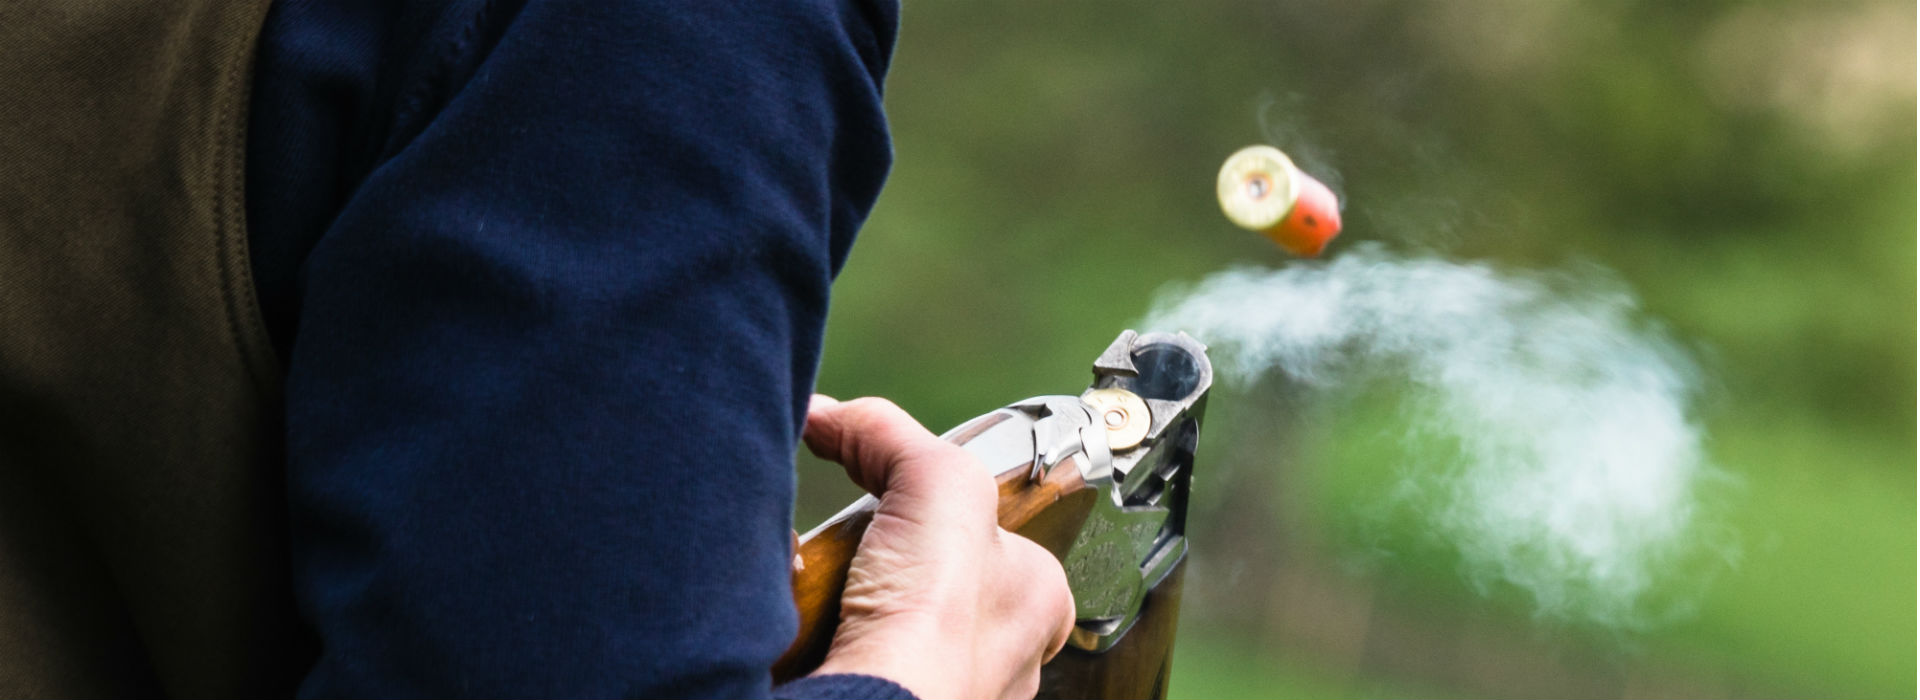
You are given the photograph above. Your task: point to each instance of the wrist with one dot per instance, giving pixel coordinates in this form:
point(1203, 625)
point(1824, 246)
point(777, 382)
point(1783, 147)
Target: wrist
point(900, 650)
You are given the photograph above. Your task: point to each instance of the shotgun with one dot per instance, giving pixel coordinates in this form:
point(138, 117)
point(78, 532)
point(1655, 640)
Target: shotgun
point(1101, 481)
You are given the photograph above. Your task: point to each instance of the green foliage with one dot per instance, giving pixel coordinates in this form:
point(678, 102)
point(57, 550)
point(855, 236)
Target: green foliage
point(1747, 169)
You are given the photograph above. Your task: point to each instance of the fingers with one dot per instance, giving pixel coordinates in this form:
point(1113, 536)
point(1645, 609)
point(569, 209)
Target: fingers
point(867, 436)
point(1044, 594)
point(1031, 615)
point(1061, 605)
point(885, 450)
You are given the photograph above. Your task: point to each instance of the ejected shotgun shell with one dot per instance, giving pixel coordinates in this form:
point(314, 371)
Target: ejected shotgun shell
point(1261, 190)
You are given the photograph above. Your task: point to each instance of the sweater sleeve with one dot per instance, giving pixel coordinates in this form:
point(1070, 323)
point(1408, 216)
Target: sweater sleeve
point(842, 686)
point(550, 280)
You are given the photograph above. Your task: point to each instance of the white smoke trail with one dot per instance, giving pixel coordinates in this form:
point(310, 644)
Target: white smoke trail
point(1574, 463)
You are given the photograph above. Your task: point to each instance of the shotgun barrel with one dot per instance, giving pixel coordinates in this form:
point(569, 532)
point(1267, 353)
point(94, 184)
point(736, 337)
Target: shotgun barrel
point(1101, 481)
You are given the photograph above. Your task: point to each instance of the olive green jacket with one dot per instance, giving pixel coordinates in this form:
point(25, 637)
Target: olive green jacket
point(142, 524)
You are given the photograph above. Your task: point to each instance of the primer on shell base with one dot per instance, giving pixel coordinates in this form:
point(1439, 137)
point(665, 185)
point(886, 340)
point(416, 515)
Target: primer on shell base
point(1261, 190)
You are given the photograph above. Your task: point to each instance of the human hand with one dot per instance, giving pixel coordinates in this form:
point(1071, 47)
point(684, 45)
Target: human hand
point(938, 599)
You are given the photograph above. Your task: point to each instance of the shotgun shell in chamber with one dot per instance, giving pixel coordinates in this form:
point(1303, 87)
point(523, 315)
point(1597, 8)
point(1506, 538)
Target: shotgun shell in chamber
point(1261, 190)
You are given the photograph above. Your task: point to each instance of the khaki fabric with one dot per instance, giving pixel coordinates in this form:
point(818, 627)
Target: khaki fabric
point(142, 535)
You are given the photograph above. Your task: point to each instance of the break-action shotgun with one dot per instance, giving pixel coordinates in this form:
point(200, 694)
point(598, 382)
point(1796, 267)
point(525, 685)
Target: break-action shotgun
point(1100, 480)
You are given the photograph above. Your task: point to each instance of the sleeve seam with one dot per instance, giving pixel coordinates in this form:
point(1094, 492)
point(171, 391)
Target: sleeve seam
point(437, 82)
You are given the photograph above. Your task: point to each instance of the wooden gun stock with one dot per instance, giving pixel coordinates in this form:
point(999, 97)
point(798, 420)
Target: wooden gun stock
point(1049, 512)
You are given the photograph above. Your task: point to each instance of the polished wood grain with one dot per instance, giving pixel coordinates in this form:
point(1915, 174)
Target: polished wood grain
point(1049, 511)
point(817, 584)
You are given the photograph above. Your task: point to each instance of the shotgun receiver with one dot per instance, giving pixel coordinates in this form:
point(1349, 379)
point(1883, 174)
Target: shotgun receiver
point(1101, 481)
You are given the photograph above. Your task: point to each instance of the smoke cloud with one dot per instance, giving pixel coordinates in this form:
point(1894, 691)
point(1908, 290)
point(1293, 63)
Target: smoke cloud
point(1563, 454)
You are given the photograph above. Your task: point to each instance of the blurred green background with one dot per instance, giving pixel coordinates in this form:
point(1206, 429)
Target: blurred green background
point(1747, 168)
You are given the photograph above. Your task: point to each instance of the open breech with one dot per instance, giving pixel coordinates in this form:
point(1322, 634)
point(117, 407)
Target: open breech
point(1101, 480)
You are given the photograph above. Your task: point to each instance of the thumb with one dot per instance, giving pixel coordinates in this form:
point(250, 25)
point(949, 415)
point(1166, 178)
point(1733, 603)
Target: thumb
point(867, 436)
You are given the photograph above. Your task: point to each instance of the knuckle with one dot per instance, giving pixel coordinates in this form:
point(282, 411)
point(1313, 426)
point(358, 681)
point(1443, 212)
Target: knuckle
point(1048, 580)
point(1039, 564)
point(872, 408)
point(972, 484)
point(965, 494)
point(869, 432)
point(958, 474)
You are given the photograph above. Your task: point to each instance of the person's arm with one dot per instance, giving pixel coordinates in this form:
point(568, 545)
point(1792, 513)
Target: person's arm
point(551, 340)
point(550, 281)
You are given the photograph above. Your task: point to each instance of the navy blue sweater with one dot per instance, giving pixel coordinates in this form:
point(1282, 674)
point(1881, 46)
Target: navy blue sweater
point(549, 280)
